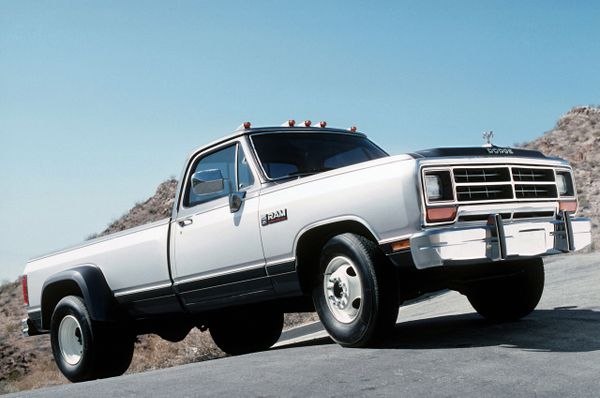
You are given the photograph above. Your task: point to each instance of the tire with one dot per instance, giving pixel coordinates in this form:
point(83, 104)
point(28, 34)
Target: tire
point(249, 330)
point(356, 292)
point(510, 298)
point(84, 350)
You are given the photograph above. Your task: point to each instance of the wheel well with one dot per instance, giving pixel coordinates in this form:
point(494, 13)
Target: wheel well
point(312, 241)
point(53, 294)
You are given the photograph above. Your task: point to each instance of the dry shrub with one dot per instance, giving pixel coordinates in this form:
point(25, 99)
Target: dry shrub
point(41, 373)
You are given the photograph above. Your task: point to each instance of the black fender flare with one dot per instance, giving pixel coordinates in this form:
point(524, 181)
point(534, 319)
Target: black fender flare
point(86, 281)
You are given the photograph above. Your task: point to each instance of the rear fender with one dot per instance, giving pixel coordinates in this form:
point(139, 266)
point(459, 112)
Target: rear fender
point(86, 281)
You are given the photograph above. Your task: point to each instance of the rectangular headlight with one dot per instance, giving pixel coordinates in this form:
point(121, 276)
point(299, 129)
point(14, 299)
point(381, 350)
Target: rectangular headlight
point(433, 186)
point(564, 183)
point(438, 186)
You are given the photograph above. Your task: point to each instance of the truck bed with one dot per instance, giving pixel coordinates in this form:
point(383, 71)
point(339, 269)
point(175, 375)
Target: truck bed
point(131, 261)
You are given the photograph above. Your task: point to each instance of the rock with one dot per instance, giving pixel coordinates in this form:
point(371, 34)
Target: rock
point(575, 138)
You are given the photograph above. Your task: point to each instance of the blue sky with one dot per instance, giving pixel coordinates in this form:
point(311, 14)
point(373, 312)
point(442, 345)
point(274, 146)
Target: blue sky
point(101, 101)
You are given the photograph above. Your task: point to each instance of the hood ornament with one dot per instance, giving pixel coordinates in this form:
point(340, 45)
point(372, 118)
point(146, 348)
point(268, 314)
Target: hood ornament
point(487, 136)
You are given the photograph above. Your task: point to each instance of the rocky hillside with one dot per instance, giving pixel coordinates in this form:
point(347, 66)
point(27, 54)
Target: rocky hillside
point(18, 356)
point(153, 209)
point(576, 138)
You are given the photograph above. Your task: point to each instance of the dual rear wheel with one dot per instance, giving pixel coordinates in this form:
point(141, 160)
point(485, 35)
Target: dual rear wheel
point(84, 349)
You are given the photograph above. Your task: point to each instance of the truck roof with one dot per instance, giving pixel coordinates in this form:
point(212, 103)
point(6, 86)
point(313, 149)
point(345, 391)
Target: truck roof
point(275, 130)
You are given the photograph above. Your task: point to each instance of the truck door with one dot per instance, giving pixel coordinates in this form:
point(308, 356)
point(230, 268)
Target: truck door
point(216, 254)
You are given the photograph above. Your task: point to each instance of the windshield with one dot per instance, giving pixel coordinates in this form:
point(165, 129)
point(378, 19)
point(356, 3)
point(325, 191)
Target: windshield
point(284, 155)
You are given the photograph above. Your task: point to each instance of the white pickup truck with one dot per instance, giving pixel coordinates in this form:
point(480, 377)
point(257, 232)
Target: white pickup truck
point(298, 218)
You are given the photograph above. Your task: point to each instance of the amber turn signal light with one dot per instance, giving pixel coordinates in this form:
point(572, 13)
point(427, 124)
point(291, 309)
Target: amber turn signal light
point(439, 214)
point(568, 205)
point(401, 245)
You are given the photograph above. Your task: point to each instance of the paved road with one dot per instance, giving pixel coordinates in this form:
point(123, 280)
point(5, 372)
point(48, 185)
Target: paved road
point(439, 348)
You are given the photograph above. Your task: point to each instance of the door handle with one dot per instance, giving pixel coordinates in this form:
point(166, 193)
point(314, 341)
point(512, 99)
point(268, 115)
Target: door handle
point(186, 222)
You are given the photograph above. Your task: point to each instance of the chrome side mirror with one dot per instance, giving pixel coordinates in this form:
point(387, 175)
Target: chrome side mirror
point(207, 182)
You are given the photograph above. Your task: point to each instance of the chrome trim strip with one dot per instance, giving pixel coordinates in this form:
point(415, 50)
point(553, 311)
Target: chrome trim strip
point(209, 275)
point(282, 261)
point(140, 289)
point(394, 239)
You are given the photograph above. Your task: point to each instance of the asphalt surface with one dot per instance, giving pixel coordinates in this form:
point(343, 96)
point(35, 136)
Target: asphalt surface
point(439, 348)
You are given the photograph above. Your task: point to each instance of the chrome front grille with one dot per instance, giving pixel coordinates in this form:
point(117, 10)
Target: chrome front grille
point(483, 192)
point(484, 174)
point(503, 183)
point(535, 191)
point(532, 175)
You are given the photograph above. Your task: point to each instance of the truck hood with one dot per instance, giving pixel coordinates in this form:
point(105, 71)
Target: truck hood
point(491, 151)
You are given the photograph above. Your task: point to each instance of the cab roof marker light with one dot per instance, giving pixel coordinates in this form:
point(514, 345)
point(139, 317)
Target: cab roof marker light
point(307, 123)
point(289, 123)
point(323, 124)
point(244, 126)
point(353, 129)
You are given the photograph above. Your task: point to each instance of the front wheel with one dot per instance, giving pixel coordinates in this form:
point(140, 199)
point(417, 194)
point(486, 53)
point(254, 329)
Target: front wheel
point(356, 293)
point(85, 350)
point(512, 297)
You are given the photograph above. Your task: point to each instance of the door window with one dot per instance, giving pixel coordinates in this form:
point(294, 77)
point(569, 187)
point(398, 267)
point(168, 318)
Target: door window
point(222, 160)
point(227, 161)
point(245, 177)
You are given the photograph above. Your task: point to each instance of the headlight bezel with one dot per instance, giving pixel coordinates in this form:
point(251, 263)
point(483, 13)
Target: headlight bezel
point(568, 188)
point(438, 186)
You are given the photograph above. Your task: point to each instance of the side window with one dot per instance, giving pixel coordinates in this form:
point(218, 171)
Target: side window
point(245, 178)
point(222, 160)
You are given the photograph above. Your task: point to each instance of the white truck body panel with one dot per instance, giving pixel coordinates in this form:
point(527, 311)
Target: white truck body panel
point(215, 232)
point(131, 260)
point(344, 194)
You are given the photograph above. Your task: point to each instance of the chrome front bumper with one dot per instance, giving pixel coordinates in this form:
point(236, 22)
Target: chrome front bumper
point(497, 241)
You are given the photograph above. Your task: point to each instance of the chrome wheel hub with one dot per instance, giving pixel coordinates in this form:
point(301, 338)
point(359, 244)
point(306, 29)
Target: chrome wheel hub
point(70, 340)
point(343, 289)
